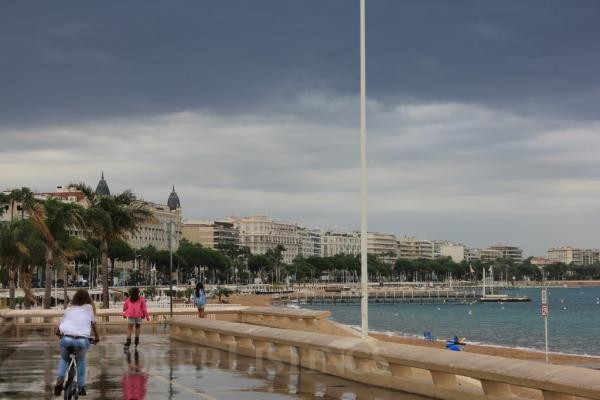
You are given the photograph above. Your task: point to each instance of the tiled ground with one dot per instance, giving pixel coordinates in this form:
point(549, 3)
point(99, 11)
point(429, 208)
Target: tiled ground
point(165, 369)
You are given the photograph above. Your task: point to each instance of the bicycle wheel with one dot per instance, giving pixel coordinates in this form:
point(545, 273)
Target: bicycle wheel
point(71, 392)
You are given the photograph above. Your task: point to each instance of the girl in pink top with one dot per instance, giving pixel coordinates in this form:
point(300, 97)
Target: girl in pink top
point(134, 309)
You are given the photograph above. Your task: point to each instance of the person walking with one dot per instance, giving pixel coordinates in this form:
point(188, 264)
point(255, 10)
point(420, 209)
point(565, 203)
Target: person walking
point(200, 299)
point(74, 330)
point(134, 309)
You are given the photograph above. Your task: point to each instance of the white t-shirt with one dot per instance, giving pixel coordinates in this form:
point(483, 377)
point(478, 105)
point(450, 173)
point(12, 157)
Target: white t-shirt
point(77, 320)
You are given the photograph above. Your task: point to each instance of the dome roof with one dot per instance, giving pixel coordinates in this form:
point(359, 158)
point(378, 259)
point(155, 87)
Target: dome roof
point(173, 201)
point(102, 188)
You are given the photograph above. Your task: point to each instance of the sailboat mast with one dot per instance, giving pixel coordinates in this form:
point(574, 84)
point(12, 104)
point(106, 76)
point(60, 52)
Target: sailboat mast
point(483, 294)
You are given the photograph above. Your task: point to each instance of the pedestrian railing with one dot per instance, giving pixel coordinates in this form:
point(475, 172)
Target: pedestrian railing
point(41, 317)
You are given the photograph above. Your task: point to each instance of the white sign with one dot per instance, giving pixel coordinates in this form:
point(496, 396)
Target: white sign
point(545, 296)
point(544, 310)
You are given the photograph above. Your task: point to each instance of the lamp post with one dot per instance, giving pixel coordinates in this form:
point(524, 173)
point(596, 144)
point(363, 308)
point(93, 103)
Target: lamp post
point(364, 304)
point(169, 228)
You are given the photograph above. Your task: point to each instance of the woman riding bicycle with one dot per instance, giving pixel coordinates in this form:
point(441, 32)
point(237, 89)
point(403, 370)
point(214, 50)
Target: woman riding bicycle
point(74, 330)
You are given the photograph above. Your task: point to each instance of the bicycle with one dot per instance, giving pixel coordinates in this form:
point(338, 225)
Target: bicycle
point(70, 386)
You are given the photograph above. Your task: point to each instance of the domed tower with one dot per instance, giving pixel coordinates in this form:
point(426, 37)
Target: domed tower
point(173, 201)
point(102, 188)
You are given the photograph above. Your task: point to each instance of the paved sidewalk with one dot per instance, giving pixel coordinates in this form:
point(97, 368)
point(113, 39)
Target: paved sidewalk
point(165, 369)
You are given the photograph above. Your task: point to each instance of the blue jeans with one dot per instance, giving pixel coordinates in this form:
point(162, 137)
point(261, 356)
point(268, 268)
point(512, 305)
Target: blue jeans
point(81, 348)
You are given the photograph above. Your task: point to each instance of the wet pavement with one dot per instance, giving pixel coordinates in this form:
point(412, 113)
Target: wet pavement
point(166, 369)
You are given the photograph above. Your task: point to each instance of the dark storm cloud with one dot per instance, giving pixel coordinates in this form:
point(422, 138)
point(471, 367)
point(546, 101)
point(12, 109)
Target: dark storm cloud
point(482, 118)
point(85, 60)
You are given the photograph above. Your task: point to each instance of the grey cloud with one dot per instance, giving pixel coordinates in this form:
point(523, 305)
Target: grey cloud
point(482, 116)
point(293, 166)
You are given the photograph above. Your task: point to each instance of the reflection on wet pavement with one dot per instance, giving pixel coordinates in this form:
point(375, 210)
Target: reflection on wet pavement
point(165, 369)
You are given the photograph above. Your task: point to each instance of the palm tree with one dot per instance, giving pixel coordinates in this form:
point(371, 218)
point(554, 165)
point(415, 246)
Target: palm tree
point(54, 219)
point(36, 247)
point(111, 218)
point(14, 236)
point(25, 197)
point(4, 202)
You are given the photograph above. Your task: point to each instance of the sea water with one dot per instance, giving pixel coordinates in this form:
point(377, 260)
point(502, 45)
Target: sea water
point(573, 321)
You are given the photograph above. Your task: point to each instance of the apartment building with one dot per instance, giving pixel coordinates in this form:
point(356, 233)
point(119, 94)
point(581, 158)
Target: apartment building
point(260, 234)
point(311, 242)
point(210, 233)
point(457, 252)
point(488, 255)
point(473, 254)
point(568, 255)
point(383, 245)
point(412, 248)
point(510, 252)
point(590, 256)
point(333, 243)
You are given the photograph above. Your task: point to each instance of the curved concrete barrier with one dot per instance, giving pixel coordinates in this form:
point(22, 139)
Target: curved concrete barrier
point(430, 372)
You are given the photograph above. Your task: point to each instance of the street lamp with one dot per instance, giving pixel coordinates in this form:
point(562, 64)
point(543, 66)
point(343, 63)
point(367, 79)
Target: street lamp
point(364, 304)
point(169, 228)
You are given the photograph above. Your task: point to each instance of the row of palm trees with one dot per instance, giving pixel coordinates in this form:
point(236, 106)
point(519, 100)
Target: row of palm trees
point(49, 232)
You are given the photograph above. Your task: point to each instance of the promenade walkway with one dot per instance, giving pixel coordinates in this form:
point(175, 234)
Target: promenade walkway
point(166, 369)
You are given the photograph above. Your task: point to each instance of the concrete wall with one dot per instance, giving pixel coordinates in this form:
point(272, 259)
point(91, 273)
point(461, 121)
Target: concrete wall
point(430, 372)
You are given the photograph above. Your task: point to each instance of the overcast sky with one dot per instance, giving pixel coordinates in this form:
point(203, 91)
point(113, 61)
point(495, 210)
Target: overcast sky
point(483, 117)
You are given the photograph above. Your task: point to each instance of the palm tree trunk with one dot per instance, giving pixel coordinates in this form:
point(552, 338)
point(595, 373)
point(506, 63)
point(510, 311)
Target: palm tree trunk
point(11, 287)
point(25, 280)
point(48, 288)
point(65, 280)
point(104, 261)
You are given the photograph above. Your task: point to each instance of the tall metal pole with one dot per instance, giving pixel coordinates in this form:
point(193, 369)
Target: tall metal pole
point(364, 304)
point(170, 270)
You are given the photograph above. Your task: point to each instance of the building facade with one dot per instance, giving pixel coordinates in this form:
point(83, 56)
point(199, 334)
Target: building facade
point(311, 242)
point(571, 255)
point(210, 234)
point(260, 234)
point(412, 248)
point(509, 252)
point(456, 252)
point(383, 245)
point(334, 243)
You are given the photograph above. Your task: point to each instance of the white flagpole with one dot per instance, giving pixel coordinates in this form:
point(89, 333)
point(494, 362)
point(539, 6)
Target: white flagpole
point(364, 304)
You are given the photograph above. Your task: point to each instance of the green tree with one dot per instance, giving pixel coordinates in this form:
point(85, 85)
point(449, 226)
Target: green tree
point(556, 271)
point(257, 264)
point(220, 292)
point(83, 252)
point(14, 251)
point(19, 199)
point(238, 257)
point(4, 203)
point(55, 219)
point(118, 250)
point(111, 218)
point(275, 256)
point(301, 270)
point(404, 268)
point(147, 253)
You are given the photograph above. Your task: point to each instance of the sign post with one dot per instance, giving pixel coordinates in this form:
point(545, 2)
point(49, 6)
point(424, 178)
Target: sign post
point(545, 316)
